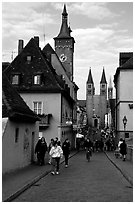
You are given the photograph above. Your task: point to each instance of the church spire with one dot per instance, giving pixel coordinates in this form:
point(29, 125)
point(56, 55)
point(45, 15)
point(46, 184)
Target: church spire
point(64, 31)
point(103, 78)
point(90, 79)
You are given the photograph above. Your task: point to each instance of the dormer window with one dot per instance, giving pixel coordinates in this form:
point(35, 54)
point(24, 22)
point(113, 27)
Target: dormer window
point(37, 79)
point(15, 79)
point(29, 58)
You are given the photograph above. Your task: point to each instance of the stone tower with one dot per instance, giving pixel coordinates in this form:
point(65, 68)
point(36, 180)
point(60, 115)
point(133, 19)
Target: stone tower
point(64, 45)
point(103, 85)
point(90, 91)
point(103, 99)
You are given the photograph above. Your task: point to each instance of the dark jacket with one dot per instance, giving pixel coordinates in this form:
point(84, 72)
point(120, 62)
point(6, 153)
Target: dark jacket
point(66, 148)
point(41, 147)
point(123, 148)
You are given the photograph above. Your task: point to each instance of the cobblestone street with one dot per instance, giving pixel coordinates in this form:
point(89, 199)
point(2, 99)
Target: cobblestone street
point(95, 181)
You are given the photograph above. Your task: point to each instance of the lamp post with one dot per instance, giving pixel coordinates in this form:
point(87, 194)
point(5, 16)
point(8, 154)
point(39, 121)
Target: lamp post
point(124, 123)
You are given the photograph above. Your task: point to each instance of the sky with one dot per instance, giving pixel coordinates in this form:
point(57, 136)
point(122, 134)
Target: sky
point(101, 31)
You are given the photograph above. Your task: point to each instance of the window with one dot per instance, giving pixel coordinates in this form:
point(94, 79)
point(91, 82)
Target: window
point(15, 79)
point(89, 91)
point(89, 86)
point(126, 134)
point(103, 86)
point(37, 79)
point(28, 58)
point(103, 92)
point(38, 107)
point(16, 135)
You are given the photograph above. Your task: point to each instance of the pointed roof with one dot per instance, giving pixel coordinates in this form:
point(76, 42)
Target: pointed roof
point(48, 51)
point(13, 106)
point(65, 11)
point(103, 78)
point(51, 82)
point(64, 31)
point(90, 79)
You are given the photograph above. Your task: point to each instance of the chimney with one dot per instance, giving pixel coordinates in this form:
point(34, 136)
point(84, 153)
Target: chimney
point(20, 46)
point(36, 38)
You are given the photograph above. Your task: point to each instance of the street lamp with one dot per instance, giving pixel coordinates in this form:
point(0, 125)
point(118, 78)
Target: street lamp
point(124, 122)
point(68, 122)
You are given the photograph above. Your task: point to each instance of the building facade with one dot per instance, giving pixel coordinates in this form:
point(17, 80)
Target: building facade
point(46, 85)
point(19, 130)
point(123, 80)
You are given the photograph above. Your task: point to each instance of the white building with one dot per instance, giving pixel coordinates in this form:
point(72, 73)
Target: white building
point(19, 130)
point(123, 80)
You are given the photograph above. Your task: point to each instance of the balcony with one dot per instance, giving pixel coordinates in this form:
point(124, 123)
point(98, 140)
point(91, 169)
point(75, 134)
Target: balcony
point(44, 120)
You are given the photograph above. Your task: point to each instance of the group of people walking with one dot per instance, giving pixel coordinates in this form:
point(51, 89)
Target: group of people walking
point(55, 150)
point(122, 148)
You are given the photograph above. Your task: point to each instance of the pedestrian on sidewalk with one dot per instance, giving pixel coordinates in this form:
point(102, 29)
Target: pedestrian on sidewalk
point(66, 151)
point(120, 142)
point(123, 149)
point(56, 153)
point(49, 148)
point(40, 150)
point(57, 140)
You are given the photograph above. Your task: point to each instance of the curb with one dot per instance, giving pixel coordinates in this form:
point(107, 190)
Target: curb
point(28, 185)
point(128, 178)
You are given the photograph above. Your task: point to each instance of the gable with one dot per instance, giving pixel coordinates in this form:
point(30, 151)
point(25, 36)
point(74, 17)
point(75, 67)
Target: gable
point(27, 69)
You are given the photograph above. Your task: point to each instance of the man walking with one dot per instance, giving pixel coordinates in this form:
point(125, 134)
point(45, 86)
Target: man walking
point(66, 151)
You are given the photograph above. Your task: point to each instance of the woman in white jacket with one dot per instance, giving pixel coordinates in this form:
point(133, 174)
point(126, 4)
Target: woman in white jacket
point(56, 153)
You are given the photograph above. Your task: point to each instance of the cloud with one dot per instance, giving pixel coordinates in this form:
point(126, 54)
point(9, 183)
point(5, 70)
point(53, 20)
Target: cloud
point(97, 48)
point(94, 10)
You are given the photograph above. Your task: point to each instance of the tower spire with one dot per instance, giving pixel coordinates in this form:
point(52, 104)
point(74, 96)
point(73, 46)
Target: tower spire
point(90, 79)
point(90, 85)
point(103, 78)
point(64, 31)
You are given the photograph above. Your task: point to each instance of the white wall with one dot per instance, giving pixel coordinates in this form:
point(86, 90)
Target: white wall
point(125, 97)
point(18, 155)
point(51, 105)
point(124, 110)
point(126, 85)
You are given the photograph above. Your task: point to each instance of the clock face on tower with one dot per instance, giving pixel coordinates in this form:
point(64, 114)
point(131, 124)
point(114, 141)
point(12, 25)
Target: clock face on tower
point(63, 58)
